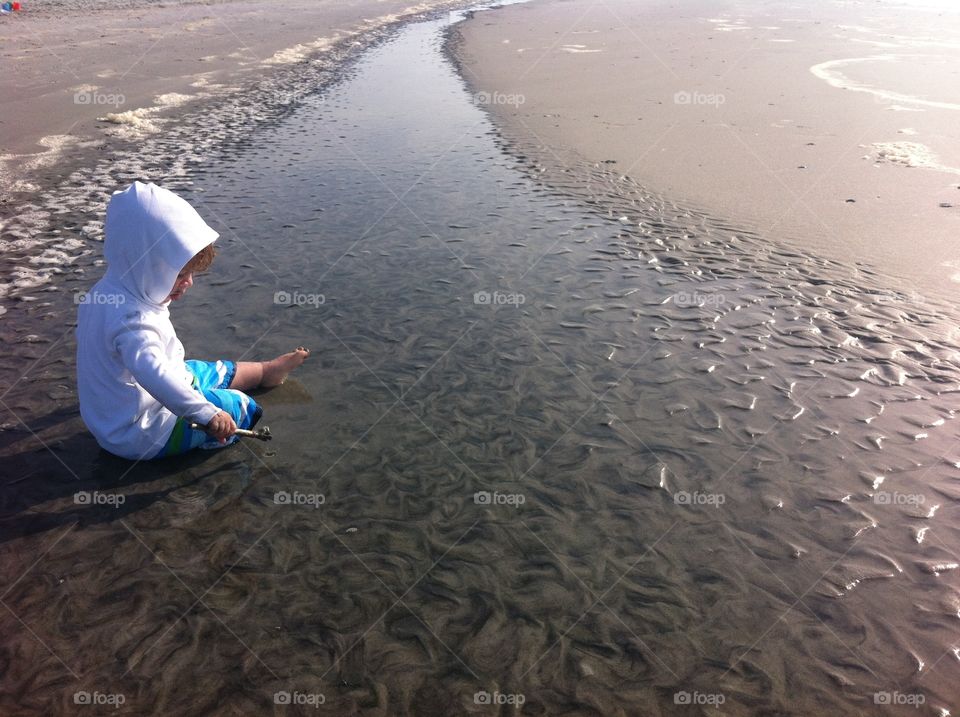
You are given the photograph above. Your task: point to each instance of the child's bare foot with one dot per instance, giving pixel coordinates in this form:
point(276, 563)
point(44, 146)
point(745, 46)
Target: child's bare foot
point(275, 371)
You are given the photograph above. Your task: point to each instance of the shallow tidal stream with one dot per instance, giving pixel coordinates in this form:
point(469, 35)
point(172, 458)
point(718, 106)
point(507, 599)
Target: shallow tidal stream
point(560, 448)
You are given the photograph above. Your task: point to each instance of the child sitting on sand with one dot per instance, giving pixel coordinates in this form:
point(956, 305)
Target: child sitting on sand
point(137, 394)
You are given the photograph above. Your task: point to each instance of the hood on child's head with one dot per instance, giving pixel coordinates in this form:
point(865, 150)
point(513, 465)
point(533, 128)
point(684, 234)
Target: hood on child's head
point(151, 234)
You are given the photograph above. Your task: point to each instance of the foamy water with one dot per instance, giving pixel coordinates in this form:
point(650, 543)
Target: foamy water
point(577, 444)
point(831, 73)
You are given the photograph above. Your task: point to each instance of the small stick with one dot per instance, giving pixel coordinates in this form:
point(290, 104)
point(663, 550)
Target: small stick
point(261, 434)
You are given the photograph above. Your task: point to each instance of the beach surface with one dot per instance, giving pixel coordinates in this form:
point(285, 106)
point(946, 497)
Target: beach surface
point(126, 91)
point(92, 75)
point(564, 445)
point(833, 126)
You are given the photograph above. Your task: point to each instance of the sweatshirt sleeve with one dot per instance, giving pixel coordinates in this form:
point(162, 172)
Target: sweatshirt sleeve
point(168, 381)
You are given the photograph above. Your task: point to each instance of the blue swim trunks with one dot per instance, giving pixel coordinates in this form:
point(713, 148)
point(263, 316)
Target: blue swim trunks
point(211, 378)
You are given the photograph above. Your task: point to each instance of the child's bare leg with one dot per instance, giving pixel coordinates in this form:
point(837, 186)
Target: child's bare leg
point(254, 374)
point(249, 374)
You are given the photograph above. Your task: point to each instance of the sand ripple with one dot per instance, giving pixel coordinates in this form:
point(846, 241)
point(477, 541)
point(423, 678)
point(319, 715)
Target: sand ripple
point(688, 461)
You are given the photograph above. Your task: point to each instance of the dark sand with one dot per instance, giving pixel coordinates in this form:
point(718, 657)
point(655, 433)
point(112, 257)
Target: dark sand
point(736, 460)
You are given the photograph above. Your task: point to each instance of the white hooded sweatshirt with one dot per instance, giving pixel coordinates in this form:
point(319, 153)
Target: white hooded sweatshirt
point(131, 377)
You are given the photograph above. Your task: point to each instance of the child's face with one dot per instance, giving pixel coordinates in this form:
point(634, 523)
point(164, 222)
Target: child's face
point(184, 282)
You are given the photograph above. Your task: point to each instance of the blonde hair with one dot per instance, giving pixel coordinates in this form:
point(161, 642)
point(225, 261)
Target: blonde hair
point(202, 260)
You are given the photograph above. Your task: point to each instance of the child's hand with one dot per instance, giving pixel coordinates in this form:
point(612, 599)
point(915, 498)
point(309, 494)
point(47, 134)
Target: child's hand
point(222, 426)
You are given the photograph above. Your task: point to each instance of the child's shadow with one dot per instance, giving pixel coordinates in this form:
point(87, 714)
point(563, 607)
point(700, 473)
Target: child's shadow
point(65, 478)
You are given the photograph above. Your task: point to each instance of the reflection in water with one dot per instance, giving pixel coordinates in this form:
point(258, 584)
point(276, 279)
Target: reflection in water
point(573, 442)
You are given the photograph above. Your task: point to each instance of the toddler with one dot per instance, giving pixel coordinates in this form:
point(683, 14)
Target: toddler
point(137, 394)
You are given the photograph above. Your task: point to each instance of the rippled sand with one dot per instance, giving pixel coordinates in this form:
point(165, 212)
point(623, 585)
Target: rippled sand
point(574, 442)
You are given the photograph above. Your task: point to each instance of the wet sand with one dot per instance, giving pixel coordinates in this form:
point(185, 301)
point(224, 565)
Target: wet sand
point(736, 459)
point(561, 439)
point(172, 85)
point(136, 64)
point(832, 126)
